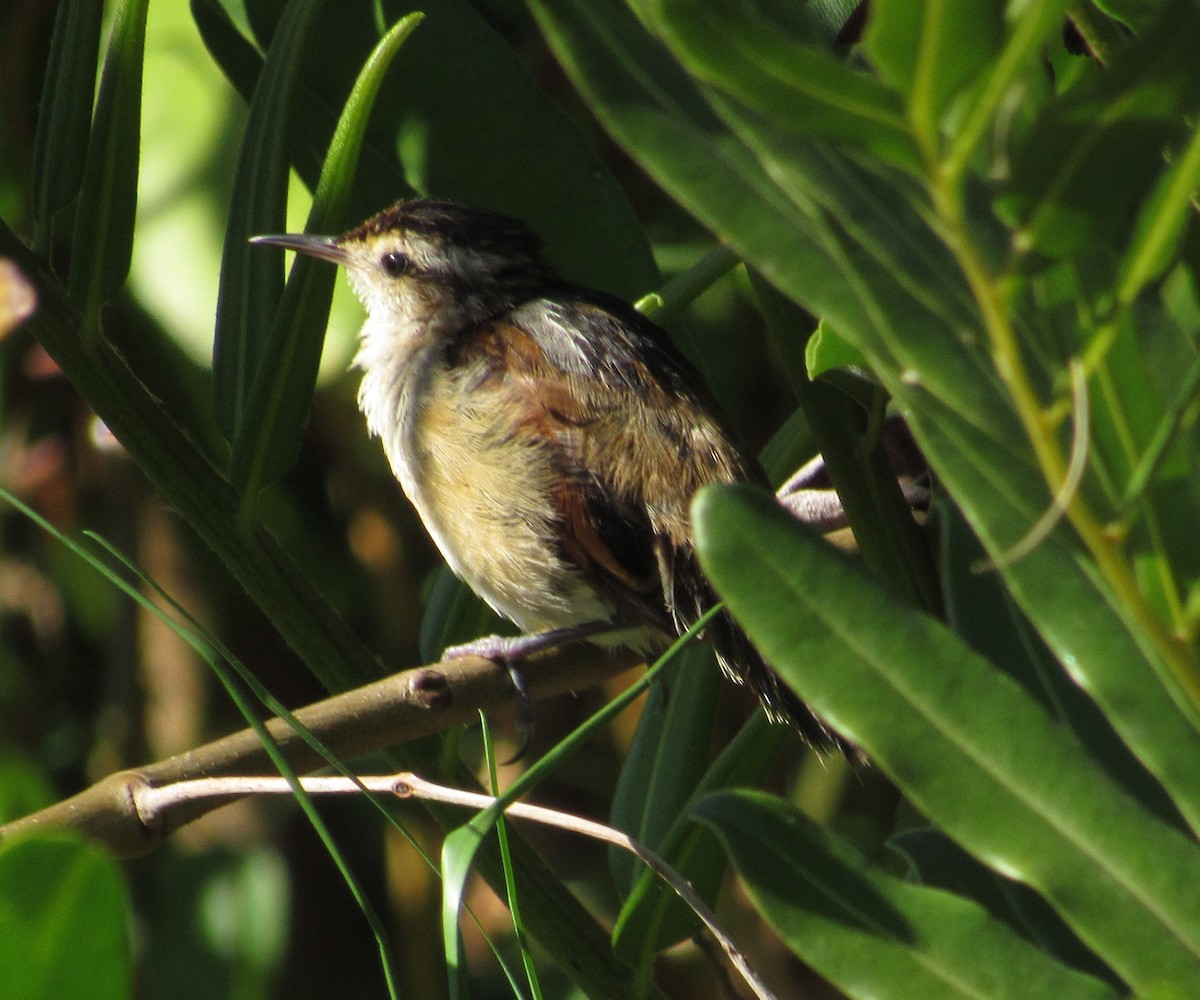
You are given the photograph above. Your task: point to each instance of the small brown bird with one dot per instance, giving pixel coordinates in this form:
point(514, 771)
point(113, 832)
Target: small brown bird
point(550, 437)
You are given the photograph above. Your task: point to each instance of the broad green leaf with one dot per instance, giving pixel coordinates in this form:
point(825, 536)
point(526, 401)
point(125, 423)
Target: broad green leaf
point(64, 916)
point(871, 934)
point(66, 113)
point(800, 87)
point(103, 242)
point(268, 436)
point(984, 615)
point(969, 747)
point(251, 277)
point(853, 246)
point(941, 864)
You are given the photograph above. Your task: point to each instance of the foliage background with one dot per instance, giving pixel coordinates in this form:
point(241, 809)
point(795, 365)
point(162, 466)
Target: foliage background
point(989, 211)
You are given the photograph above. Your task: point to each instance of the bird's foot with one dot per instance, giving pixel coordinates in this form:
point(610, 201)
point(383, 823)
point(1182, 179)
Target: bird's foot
point(508, 650)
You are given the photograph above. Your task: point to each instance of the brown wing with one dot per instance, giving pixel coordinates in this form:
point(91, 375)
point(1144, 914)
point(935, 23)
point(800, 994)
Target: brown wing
point(634, 436)
point(607, 534)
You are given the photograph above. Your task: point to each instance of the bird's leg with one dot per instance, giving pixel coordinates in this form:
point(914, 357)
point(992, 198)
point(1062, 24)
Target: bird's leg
point(508, 650)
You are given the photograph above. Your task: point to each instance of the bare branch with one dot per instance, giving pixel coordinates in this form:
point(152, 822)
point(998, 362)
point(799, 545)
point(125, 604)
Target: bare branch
point(398, 709)
point(155, 805)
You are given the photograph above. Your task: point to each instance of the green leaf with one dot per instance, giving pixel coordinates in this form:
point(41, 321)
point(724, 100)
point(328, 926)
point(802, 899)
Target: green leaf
point(461, 846)
point(801, 87)
point(654, 918)
point(441, 116)
point(827, 351)
point(971, 750)
point(984, 615)
point(1093, 151)
point(929, 51)
point(869, 933)
point(66, 114)
point(1161, 223)
point(231, 50)
point(268, 436)
point(251, 277)
point(23, 787)
point(856, 462)
point(64, 912)
point(103, 242)
point(1029, 31)
point(660, 774)
point(941, 864)
point(663, 767)
point(854, 246)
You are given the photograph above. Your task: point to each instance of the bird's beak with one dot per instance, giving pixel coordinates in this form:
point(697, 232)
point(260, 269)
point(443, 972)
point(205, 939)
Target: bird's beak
point(322, 247)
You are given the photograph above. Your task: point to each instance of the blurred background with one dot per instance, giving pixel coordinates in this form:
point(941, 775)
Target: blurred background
point(246, 903)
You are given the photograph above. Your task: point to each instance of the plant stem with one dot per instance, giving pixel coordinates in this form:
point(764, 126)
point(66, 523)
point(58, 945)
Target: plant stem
point(1041, 429)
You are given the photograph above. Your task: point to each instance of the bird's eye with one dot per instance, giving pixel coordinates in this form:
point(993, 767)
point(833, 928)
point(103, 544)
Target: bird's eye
point(394, 263)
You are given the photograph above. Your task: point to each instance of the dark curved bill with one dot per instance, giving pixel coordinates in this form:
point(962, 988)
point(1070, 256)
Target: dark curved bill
point(322, 247)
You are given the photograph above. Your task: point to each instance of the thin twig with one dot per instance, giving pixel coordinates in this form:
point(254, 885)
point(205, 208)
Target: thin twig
point(154, 804)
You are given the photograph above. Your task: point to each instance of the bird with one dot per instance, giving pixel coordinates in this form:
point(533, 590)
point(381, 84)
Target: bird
point(550, 436)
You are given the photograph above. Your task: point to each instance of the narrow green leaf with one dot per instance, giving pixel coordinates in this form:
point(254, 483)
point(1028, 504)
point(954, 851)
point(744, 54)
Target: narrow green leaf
point(1161, 223)
point(103, 242)
point(970, 749)
point(251, 277)
point(66, 114)
point(799, 86)
point(231, 50)
point(275, 409)
point(663, 766)
point(1094, 150)
point(1028, 33)
point(654, 918)
point(64, 914)
point(461, 846)
point(454, 615)
point(884, 530)
point(666, 761)
point(441, 116)
point(869, 933)
point(1135, 14)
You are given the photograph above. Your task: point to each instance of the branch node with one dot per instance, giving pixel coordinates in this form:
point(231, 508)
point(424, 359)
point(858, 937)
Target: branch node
point(432, 690)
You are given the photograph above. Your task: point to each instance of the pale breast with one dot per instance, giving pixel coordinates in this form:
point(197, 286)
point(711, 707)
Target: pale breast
point(482, 485)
